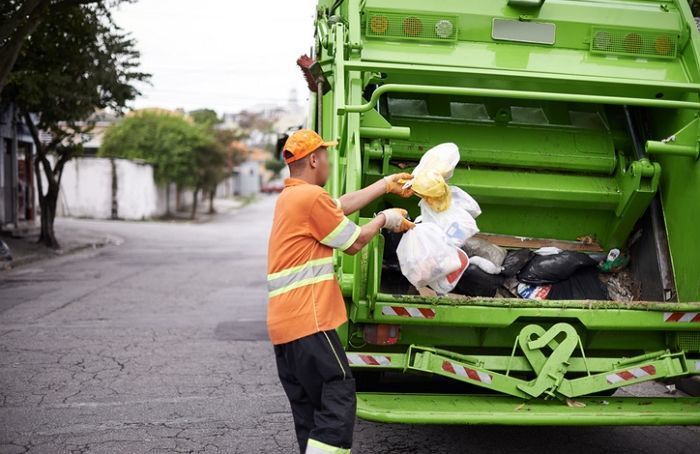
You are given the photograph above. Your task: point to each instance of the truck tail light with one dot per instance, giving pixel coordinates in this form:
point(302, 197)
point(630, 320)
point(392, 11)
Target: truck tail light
point(379, 24)
point(382, 334)
point(412, 26)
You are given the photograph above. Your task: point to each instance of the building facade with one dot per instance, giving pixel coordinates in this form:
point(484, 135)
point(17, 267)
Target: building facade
point(17, 188)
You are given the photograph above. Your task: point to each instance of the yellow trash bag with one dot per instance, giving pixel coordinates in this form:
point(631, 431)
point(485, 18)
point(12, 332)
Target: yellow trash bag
point(429, 177)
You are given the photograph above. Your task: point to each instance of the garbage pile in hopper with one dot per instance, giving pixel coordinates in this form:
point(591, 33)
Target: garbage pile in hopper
point(443, 254)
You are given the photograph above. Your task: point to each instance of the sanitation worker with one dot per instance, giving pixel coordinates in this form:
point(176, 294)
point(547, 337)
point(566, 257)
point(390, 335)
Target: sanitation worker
point(305, 302)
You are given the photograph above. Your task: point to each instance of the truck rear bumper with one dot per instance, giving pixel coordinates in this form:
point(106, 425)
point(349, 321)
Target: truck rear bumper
point(506, 410)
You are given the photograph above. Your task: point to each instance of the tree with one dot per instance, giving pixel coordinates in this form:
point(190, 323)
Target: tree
point(18, 19)
point(210, 165)
point(274, 165)
point(223, 154)
point(207, 118)
point(75, 62)
point(164, 139)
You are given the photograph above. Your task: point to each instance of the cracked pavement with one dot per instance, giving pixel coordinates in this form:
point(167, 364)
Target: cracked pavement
point(158, 346)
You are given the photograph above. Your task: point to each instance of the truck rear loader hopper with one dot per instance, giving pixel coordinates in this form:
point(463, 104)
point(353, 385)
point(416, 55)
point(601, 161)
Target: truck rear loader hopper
point(577, 124)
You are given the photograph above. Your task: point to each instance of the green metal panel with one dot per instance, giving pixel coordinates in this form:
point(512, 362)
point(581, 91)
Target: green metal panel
point(504, 410)
point(553, 177)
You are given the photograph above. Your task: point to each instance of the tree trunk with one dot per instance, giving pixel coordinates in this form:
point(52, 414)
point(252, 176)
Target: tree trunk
point(47, 204)
point(195, 196)
point(48, 200)
point(167, 200)
point(211, 202)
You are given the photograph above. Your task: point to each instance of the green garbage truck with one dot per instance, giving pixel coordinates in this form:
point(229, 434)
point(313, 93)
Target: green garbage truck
point(577, 126)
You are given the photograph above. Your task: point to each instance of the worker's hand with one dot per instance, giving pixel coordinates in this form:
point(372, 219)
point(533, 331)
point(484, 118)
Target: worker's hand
point(395, 220)
point(395, 184)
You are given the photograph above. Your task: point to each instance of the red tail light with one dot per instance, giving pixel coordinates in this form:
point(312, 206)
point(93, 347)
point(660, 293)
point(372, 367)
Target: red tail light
point(382, 334)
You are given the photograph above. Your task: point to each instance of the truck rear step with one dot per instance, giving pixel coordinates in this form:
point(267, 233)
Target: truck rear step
point(506, 410)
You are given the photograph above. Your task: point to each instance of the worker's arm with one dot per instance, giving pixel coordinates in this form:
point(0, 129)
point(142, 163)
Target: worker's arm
point(393, 219)
point(332, 228)
point(357, 200)
point(367, 232)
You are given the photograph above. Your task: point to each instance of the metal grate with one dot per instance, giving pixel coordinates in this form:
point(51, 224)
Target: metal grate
point(422, 27)
point(634, 43)
point(689, 341)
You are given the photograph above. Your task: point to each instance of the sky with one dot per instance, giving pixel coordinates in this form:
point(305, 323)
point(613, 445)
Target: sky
point(227, 55)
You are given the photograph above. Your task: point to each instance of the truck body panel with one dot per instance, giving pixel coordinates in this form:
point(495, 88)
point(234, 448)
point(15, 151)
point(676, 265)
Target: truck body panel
point(577, 124)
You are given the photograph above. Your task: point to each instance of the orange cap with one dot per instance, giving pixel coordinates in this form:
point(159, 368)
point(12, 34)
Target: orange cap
point(303, 143)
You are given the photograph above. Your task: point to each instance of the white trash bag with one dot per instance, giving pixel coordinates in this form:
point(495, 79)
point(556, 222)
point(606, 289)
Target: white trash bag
point(457, 224)
point(441, 158)
point(464, 201)
point(426, 257)
point(446, 284)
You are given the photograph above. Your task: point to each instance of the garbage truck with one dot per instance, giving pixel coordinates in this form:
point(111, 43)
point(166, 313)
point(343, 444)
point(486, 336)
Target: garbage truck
point(577, 126)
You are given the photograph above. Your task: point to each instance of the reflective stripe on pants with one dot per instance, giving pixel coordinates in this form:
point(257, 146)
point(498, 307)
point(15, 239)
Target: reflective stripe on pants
point(317, 447)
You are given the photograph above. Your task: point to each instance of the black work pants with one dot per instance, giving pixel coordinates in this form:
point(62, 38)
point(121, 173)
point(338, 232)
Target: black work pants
point(316, 377)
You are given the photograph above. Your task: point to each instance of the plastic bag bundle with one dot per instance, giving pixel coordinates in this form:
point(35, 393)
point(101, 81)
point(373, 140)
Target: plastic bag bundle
point(482, 248)
point(548, 269)
point(426, 257)
point(429, 177)
point(433, 189)
point(457, 223)
point(441, 158)
point(446, 284)
point(464, 201)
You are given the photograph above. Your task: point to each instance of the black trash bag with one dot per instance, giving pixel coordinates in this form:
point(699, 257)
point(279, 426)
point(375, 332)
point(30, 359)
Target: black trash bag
point(475, 282)
point(515, 261)
point(391, 242)
point(584, 284)
point(548, 269)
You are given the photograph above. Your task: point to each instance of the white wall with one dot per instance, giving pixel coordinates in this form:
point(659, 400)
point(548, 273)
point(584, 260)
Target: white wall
point(86, 190)
point(137, 194)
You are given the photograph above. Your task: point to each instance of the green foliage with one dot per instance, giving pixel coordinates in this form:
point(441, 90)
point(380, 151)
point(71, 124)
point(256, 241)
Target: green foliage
point(167, 141)
point(75, 62)
point(206, 118)
point(274, 166)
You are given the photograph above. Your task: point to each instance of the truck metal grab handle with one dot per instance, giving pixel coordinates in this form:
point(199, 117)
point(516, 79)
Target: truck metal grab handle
point(517, 94)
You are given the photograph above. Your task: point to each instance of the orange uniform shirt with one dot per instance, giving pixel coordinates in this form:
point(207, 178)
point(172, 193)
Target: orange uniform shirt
point(304, 294)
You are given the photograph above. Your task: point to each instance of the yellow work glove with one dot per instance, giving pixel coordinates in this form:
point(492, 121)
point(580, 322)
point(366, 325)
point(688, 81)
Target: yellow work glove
point(395, 184)
point(395, 220)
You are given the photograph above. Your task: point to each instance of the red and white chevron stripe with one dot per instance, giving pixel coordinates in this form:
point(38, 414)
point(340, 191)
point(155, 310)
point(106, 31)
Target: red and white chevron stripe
point(400, 311)
point(631, 374)
point(682, 317)
point(368, 360)
point(472, 374)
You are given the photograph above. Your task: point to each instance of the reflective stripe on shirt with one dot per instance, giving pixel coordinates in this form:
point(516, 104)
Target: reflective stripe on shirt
point(311, 272)
point(343, 236)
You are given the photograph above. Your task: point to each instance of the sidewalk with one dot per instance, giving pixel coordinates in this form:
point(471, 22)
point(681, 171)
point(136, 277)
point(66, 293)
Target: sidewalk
point(71, 238)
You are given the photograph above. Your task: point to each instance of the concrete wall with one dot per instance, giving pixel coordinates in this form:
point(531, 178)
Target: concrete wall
point(137, 193)
point(86, 190)
point(248, 179)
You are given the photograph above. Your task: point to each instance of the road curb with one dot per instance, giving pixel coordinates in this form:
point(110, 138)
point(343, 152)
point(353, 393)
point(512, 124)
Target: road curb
point(107, 240)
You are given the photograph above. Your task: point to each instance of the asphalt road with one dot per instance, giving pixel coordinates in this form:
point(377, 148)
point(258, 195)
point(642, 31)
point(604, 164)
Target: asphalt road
point(158, 345)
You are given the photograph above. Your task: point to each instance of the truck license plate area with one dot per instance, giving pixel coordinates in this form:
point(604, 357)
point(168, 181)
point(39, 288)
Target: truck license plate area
point(523, 32)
